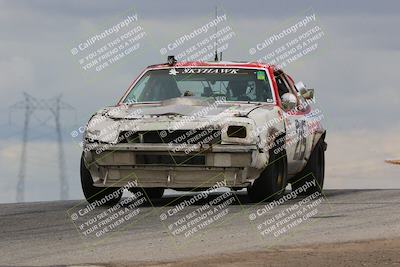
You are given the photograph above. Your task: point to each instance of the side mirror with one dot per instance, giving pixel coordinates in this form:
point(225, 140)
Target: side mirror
point(304, 92)
point(289, 101)
point(307, 93)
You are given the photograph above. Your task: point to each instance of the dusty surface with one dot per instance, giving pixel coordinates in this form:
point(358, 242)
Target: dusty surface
point(43, 234)
point(362, 253)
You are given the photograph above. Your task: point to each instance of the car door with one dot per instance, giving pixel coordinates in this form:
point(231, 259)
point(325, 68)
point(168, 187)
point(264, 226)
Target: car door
point(298, 142)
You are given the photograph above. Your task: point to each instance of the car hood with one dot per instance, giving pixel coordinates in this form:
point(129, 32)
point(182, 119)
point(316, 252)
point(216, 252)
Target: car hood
point(182, 106)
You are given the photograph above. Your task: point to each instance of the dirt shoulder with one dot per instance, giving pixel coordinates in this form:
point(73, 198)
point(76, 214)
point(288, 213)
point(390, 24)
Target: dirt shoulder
point(363, 253)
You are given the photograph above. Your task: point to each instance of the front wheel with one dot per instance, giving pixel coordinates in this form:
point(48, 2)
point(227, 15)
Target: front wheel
point(312, 177)
point(105, 196)
point(272, 181)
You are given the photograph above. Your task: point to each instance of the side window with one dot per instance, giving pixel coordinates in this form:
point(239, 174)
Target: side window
point(290, 82)
point(282, 86)
point(294, 90)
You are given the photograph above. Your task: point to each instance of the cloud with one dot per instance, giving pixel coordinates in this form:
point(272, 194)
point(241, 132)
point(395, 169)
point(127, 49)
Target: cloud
point(17, 73)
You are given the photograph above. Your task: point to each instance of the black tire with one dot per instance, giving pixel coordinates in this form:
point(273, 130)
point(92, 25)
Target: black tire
point(273, 180)
point(151, 193)
point(93, 193)
point(314, 170)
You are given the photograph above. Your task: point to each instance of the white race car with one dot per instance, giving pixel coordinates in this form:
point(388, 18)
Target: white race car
point(194, 125)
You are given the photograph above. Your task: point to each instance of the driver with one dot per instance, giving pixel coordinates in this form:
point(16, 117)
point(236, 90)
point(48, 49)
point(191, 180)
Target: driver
point(238, 90)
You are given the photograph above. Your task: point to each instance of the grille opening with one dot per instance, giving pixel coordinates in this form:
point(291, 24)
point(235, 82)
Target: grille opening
point(237, 131)
point(128, 137)
point(189, 137)
point(174, 160)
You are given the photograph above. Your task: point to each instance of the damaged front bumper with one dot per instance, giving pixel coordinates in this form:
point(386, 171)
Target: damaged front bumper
point(171, 166)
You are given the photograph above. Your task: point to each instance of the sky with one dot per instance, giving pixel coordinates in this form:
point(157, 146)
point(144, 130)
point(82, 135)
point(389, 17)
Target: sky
point(354, 72)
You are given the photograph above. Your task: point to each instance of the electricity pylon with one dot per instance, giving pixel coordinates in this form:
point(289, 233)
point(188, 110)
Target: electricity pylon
point(30, 104)
point(55, 106)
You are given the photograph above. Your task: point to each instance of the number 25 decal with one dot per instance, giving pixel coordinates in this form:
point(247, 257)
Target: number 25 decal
point(300, 149)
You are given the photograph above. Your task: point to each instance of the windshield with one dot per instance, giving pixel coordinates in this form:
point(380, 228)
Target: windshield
point(228, 83)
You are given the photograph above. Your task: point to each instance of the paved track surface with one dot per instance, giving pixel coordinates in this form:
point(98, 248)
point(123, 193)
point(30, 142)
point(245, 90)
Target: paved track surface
point(43, 233)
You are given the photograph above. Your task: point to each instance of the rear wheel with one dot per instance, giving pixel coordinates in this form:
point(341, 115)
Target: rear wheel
point(314, 173)
point(110, 196)
point(272, 181)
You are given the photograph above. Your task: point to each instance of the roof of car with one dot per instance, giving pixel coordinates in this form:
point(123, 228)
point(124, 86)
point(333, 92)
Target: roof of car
point(238, 64)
